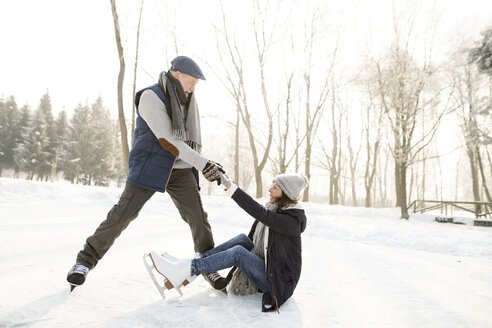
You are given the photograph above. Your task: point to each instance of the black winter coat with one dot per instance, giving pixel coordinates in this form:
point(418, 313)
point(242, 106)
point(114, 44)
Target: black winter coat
point(284, 259)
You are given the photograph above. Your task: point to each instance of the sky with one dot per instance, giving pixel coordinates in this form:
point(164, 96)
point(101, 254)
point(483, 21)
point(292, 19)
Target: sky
point(59, 46)
point(68, 47)
point(361, 267)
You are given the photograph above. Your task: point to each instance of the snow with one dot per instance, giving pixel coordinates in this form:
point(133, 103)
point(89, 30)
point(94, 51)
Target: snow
point(361, 267)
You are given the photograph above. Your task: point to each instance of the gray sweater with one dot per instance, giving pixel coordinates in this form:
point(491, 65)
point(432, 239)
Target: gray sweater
point(153, 112)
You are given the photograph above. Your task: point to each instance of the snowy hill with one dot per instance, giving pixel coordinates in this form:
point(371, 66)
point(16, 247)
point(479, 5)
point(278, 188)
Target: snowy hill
point(362, 267)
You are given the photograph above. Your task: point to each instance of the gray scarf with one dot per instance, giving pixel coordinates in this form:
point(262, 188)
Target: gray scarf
point(240, 283)
point(185, 120)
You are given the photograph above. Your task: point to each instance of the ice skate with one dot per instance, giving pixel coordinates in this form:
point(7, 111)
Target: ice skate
point(174, 259)
point(217, 281)
point(213, 278)
point(76, 276)
point(175, 273)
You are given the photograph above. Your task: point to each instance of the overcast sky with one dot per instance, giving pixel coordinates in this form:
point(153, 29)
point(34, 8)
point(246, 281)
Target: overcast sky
point(68, 47)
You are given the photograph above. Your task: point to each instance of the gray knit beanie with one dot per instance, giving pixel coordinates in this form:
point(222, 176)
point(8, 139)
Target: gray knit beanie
point(292, 185)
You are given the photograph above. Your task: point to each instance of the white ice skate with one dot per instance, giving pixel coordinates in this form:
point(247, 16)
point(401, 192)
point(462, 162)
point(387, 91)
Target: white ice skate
point(175, 273)
point(174, 259)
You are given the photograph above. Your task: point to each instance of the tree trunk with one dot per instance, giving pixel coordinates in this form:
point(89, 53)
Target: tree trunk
point(474, 174)
point(134, 109)
point(403, 192)
point(413, 179)
point(334, 173)
point(259, 183)
point(398, 183)
point(236, 147)
point(490, 162)
point(384, 189)
point(54, 166)
point(482, 174)
point(370, 172)
point(121, 75)
point(307, 169)
point(354, 195)
point(368, 196)
point(284, 128)
point(307, 159)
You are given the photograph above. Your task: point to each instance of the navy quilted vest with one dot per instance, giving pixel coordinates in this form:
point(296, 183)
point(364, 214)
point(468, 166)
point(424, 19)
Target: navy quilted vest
point(149, 164)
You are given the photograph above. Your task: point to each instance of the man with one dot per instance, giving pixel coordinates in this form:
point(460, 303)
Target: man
point(165, 156)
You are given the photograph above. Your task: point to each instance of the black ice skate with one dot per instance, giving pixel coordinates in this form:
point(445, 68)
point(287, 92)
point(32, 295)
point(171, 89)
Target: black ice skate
point(76, 276)
point(216, 281)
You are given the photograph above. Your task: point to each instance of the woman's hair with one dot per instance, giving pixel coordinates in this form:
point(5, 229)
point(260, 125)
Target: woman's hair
point(284, 201)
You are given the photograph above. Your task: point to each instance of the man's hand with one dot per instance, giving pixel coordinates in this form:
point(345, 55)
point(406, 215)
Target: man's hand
point(212, 172)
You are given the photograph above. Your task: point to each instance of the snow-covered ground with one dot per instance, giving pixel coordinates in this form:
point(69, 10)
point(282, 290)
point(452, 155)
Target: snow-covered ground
point(362, 267)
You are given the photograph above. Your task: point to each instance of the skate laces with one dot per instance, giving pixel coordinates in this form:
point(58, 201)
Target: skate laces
point(80, 269)
point(214, 276)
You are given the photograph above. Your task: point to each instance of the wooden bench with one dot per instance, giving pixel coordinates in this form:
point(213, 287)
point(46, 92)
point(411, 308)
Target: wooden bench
point(482, 223)
point(444, 219)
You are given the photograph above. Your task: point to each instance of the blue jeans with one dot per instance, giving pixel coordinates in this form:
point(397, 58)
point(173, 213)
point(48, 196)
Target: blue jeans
point(234, 252)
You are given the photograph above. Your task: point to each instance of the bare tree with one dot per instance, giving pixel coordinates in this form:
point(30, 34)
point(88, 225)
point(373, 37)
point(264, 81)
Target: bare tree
point(400, 83)
point(288, 140)
point(236, 145)
point(471, 101)
point(283, 126)
point(482, 57)
point(121, 75)
point(298, 156)
point(230, 80)
point(263, 43)
point(353, 161)
point(439, 189)
point(288, 120)
point(373, 145)
point(313, 114)
point(408, 91)
point(134, 109)
point(235, 84)
point(333, 159)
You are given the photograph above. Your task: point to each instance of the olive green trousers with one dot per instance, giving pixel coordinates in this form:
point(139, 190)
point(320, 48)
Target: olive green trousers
point(183, 189)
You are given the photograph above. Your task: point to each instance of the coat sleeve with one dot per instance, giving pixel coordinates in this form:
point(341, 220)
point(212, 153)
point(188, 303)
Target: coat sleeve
point(283, 223)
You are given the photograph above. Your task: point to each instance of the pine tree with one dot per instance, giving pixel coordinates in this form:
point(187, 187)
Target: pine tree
point(482, 55)
point(34, 154)
point(48, 148)
point(80, 148)
point(103, 143)
point(60, 138)
point(4, 131)
point(10, 116)
point(21, 127)
point(29, 154)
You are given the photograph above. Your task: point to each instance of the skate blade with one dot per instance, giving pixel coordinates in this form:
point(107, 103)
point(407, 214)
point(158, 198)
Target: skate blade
point(150, 268)
point(179, 290)
point(167, 283)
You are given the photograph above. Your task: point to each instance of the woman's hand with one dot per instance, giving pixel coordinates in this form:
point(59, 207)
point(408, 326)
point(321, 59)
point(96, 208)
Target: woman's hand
point(225, 181)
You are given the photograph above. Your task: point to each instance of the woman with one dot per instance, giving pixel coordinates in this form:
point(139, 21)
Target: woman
point(275, 265)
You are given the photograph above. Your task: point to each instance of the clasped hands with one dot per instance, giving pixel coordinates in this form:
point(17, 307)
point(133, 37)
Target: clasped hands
point(215, 172)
